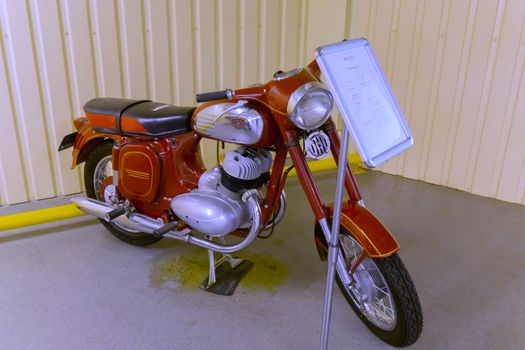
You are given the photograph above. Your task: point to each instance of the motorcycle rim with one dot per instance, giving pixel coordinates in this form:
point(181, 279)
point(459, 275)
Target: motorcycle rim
point(367, 286)
point(103, 170)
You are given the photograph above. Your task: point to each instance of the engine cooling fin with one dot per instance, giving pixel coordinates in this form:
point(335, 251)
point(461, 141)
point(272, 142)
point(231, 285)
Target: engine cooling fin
point(235, 184)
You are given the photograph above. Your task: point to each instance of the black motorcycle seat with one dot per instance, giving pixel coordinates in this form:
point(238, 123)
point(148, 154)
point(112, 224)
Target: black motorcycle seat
point(155, 119)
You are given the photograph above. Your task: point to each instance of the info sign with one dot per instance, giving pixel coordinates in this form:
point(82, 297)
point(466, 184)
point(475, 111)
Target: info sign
point(365, 100)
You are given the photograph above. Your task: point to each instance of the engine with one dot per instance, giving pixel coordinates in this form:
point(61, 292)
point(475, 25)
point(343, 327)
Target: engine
point(215, 208)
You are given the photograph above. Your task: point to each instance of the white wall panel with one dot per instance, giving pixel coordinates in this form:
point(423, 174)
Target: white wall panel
point(106, 47)
point(183, 53)
point(55, 55)
point(456, 68)
point(12, 173)
point(134, 54)
point(25, 91)
point(56, 96)
point(158, 47)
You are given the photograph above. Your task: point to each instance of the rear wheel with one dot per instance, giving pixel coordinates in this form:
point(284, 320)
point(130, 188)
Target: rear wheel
point(98, 180)
point(381, 293)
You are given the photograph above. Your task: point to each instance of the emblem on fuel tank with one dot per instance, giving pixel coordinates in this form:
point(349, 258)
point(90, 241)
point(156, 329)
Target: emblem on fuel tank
point(238, 123)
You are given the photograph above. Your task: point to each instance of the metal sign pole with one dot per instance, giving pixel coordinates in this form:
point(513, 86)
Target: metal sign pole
point(333, 244)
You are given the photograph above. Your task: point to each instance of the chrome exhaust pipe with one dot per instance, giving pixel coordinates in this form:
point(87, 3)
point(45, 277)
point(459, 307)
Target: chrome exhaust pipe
point(135, 221)
point(143, 223)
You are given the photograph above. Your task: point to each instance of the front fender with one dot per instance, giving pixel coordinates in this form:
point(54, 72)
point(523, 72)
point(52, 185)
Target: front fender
point(86, 141)
point(371, 234)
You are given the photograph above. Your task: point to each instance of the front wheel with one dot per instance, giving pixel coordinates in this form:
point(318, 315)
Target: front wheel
point(381, 293)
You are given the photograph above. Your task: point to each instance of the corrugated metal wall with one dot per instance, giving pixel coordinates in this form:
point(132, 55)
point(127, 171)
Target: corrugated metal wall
point(456, 68)
point(57, 54)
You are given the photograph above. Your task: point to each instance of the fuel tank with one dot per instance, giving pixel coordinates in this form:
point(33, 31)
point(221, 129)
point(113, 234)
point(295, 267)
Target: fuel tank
point(241, 122)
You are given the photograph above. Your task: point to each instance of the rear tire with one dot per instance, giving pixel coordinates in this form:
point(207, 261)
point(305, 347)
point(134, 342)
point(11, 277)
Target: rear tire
point(99, 158)
point(394, 314)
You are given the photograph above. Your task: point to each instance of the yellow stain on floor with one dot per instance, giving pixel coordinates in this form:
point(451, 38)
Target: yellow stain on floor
point(187, 272)
point(267, 273)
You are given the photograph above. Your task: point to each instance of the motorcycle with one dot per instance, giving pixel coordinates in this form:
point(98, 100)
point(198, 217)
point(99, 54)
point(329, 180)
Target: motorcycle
point(145, 180)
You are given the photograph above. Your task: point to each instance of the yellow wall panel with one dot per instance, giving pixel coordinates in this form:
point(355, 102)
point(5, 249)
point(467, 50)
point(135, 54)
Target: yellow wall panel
point(403, 38)
point(508, 63)
point(270, 31)
point(12, 173)
point(228, 44)
point(133, 51)
point(451, 73)
point(158, 46)
point(25, 80)
point(55, 55)
point(480, 65)
point(183, 53)
point(54, 89)
point(248, 42)
point(106, 47)
point(291, 26)
point(325, 24)
point(456, 68)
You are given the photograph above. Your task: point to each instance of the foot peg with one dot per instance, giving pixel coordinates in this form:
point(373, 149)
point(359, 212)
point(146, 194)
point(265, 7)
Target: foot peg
point(115, 213)
point(225, 274)
point(170, 226)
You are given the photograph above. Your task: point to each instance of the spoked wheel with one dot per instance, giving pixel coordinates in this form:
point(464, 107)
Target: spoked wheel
point(381, 293)
point(98, 179)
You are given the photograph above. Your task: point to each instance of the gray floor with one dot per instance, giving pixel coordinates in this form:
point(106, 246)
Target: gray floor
point(71, 285)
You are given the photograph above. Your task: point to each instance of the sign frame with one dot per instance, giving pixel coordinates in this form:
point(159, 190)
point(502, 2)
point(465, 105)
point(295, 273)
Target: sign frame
point(380, 136)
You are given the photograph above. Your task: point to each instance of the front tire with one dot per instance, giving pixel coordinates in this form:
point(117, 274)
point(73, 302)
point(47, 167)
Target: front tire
point(381, 293)
point(97, 171)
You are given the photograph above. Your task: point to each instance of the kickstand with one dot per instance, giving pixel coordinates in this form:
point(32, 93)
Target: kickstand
point(225, 273)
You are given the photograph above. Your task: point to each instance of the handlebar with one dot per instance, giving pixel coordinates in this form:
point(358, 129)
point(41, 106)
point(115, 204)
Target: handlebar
point(215, 95)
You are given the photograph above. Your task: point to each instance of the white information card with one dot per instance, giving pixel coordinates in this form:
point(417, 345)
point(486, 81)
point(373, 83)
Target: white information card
point(364, 98)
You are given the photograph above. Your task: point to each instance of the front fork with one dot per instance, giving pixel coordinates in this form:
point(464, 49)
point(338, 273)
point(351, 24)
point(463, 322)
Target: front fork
point(311, 189)
point(335, 147)
point(305, 175)
point(375, 239)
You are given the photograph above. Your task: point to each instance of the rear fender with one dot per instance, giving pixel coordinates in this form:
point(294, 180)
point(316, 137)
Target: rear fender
point(371, 234)
point(86, 141)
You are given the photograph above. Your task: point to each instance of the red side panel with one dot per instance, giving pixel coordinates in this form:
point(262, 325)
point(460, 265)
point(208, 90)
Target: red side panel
point(139, 172)
point(131, 125)
point(102, 121)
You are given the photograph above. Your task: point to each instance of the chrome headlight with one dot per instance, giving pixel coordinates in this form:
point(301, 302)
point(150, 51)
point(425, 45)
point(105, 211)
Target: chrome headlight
point(310, 105)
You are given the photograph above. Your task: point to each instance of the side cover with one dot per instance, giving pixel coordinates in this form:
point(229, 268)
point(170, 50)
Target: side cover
point(139, 171)
point(373, 236)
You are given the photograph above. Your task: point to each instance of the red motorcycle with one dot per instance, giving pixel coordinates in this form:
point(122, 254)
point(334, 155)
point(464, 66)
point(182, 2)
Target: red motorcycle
point(145, 180)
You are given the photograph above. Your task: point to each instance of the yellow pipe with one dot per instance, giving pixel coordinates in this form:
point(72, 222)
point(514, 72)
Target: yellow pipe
point(68, 211)
point(40, 216)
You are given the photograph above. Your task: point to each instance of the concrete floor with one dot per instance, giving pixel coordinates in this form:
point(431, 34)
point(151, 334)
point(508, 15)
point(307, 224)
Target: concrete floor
point(71, 285)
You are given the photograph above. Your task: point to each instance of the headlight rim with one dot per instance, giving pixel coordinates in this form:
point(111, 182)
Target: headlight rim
point(300, 93)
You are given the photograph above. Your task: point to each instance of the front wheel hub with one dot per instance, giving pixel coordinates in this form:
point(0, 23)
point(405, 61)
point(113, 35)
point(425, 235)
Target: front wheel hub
point(367, 287)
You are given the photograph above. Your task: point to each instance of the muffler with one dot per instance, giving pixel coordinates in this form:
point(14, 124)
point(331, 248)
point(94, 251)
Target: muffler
point(135, 221)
